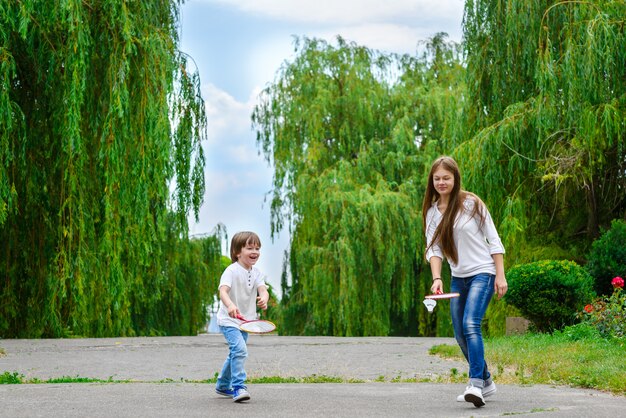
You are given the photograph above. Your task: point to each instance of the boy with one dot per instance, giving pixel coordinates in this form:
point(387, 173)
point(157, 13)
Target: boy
point(241, 288)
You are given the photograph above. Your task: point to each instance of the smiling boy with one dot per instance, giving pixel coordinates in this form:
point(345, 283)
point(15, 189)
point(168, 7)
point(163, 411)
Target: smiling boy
point(241, 289)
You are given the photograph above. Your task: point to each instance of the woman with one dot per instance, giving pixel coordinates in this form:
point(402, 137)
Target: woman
point(459, 228)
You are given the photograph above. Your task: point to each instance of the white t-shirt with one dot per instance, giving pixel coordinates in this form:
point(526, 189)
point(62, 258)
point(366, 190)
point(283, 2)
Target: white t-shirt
point(243, 285)
point(474, 245)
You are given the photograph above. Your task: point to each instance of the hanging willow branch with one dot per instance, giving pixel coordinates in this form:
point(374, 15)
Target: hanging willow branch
point(98, 116)
point(346, 129)
point(548, 116)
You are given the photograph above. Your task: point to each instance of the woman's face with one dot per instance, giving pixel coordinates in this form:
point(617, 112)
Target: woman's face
point(443, 181)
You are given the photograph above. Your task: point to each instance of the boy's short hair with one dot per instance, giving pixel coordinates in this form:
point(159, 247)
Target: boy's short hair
point(240, 239)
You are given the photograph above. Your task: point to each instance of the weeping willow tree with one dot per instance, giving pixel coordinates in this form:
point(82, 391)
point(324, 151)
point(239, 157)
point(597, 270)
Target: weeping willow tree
point(546, 114)
point(343, 127)
point(100, 118)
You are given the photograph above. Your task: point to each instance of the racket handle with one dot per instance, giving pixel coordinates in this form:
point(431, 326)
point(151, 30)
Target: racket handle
point(240, 317)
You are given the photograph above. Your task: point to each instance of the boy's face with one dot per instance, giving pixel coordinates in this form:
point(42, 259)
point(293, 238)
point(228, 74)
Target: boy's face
point(249, 255)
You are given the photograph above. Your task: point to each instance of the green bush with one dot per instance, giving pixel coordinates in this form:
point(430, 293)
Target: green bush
point(549, 293)
point(607, 258)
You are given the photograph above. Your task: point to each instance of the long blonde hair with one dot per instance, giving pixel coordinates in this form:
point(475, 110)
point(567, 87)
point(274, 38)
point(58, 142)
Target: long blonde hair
point(444, 234)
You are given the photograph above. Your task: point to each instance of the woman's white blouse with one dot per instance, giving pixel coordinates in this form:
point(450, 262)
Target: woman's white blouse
point(474, 245)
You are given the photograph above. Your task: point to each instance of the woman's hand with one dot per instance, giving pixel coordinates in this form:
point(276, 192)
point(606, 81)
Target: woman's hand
point(436, 287)
point(501, 285)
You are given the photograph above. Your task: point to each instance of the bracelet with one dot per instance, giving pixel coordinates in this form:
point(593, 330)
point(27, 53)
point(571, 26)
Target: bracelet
point(437, 278)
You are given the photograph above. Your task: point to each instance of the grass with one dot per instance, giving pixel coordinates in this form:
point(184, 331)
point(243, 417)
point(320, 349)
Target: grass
point(8, 378)
point(557, 359)
point(314, 378)
point(306, 379)
point(15, 378)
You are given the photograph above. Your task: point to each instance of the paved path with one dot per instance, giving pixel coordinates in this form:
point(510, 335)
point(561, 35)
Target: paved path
point(159, 371)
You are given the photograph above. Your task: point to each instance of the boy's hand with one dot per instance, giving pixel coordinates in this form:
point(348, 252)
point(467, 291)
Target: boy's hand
point(261, 302)
point(233, 311)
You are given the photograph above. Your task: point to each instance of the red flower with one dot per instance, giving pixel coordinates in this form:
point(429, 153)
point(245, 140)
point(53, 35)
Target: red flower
point(617, 282)
point(589, 308)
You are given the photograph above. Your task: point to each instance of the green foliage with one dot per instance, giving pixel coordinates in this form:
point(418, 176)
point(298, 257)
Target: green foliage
point(494, 322)
point(189, 286)
point(549, 293)
point(607, 258)
point(99, 116)
point(607, 315)
point(273, 312)
point(340, 125)
point(545, 117)
point(536, 123)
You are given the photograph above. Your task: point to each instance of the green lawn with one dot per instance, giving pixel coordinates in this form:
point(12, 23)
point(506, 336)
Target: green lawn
point(560, 359)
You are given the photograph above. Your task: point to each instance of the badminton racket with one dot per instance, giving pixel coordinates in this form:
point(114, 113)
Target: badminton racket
point(256, 326)
point(443, 295)
point(430, 301)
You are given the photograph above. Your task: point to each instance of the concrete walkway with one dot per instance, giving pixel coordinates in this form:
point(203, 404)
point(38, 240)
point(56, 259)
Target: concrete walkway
point(159, 371)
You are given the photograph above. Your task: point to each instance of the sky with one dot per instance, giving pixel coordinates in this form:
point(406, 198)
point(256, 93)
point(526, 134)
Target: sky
point(238, 46)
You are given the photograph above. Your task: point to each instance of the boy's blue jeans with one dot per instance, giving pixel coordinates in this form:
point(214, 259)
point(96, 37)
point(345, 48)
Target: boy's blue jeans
point(467, 313)
point(233, 374)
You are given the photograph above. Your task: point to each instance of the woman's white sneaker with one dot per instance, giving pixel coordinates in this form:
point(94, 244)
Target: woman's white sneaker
point(487, 392)
point(474, 395)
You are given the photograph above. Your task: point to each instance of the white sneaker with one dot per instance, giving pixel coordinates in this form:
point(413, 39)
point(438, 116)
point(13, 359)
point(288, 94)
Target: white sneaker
point(474, 395)
point(240, 395)
point(487, 392)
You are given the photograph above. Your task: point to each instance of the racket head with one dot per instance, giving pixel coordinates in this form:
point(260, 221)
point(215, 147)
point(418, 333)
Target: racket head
point(258, 326)
point(443, 296)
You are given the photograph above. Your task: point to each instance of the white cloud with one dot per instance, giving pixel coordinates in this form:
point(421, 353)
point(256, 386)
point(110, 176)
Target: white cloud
point(346, 11)
point(230, 148)
point(383, 37)
point(237, 178)
point(225, 115)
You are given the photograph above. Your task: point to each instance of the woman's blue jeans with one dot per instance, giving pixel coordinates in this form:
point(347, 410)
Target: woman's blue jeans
point(233, 374)
point(467, 313)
